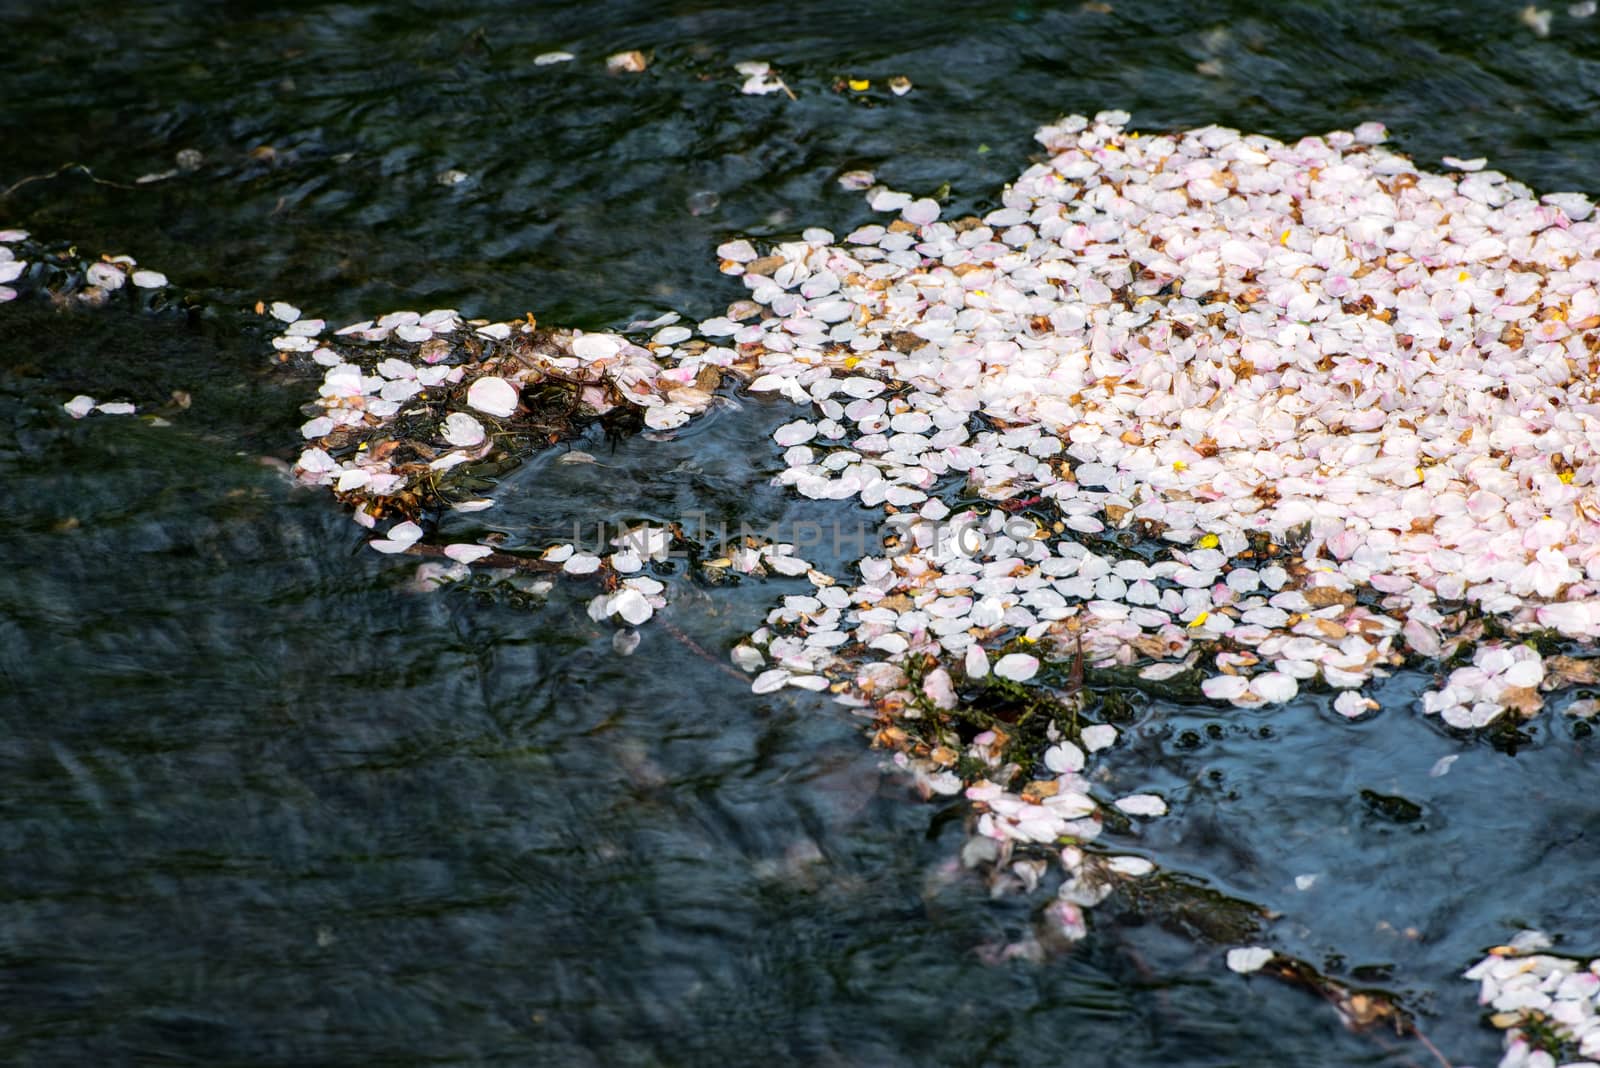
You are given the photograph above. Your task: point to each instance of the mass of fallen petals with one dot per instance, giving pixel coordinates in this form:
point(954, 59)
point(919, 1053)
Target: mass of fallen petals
point(1548, 1006)
point(415, 409)
point(63, 274)
point(1473, 696)
point(413, 406)
point(1209, 408)
point(1353, 401)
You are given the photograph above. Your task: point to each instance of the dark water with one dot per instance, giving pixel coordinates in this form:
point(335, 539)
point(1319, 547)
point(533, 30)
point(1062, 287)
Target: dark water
point(260, 803)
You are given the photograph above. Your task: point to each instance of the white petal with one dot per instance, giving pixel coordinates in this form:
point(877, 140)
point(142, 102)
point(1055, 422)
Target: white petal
point(493, 396)
point(318, 427)
point(1247, 959)
point(1162, 671)
point(770, 681)
point(1523, 673)
point(1351, 704)
point(631, 606)
point(665, 417)
point(463, 430)
point(1018, 667)
point(105, 275)
point(581, 564)
point(1097, 737)
point(387, 545)
point(795, 433)
point(921, 212)
point(1275, 686)
point(1225, 687)
point(591, 347)
point(1063, 757)
point(407, 532)
point(1142, 805)
point(1133, 866)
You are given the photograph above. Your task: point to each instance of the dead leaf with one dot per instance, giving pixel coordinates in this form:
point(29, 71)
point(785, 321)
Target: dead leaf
point(1040, 789)
point(1524, 700)
point(1570, 671)
point(1323, 596)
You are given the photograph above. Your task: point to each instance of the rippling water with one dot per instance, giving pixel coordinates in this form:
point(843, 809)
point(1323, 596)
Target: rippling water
point(263, 804)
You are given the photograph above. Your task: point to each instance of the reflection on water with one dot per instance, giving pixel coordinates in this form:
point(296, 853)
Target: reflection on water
point(263, 804)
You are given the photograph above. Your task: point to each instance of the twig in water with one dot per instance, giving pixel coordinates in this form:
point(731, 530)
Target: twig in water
point(64, 168)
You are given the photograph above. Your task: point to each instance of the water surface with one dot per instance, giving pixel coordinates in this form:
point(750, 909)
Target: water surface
point(265, 804)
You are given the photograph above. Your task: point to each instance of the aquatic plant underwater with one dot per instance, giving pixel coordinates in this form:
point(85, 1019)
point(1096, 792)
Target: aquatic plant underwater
point(1201, 414)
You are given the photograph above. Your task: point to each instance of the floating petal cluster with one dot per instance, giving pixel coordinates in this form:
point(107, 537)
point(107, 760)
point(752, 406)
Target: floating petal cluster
point(63, 275)
point(1207, 405)
point(408, 398)
point(1356, 401)
point(1548, 1006)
